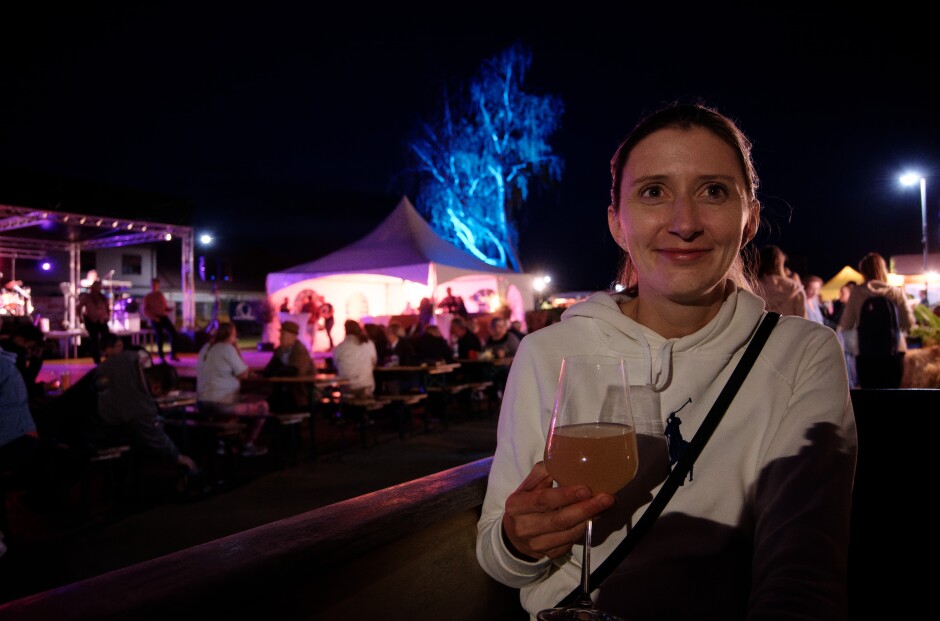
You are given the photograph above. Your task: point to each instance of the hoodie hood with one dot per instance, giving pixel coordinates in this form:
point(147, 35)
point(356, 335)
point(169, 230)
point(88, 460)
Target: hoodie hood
point(878, 287)
point(621, 335)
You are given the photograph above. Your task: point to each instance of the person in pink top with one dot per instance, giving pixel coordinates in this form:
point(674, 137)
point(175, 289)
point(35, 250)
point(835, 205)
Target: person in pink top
point(156, 310)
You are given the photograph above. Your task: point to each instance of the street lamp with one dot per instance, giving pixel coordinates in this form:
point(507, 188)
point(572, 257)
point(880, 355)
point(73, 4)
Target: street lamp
point(910, 179)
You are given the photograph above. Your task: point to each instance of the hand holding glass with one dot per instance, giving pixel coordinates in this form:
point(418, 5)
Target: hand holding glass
point(592, 441)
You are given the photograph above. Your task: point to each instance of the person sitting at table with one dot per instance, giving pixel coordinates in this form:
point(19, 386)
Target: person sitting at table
point(220, 368)
point(378, 334)
point(127, 411)
point(111, 344)
point(401, 347)
point(501, 341)
point(19, 440)
point(26, 342)
point(431, 347)
point(355, 359)
point(291, 358)
point(467, 341)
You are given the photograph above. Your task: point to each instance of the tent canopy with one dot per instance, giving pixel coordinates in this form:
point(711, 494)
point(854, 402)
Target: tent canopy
point(402, 260)
point(403, 246)
point(830, 290)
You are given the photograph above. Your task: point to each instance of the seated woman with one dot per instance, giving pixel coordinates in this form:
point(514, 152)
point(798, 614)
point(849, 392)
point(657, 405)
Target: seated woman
point(355, 359)
point(219, 371)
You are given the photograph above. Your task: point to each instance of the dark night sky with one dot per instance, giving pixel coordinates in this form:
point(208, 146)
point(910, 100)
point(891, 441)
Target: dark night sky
point(284, 127)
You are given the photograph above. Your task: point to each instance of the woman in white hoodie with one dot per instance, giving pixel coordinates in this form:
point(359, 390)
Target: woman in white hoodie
point(761, 530)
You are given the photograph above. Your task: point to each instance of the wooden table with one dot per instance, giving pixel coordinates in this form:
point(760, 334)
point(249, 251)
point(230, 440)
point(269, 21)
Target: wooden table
point(176, 399)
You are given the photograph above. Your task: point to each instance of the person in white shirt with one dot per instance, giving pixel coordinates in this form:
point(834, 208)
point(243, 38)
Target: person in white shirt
point(220, 369)
point(355, 359)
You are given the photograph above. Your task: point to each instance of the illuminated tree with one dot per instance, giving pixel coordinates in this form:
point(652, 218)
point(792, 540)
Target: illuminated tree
point(477, 160)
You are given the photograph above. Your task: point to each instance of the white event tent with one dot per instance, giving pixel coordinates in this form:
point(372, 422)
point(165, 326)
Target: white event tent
point(390, 270)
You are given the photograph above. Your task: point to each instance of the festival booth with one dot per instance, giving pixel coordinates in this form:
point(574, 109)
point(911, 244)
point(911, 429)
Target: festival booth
point(911, 276)
point(388, 272)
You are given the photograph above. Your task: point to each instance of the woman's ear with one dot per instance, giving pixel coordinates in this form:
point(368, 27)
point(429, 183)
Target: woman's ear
point(613, 223)
point(753, 222)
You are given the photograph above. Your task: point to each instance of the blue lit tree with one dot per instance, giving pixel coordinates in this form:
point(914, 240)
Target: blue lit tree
point(477, 160)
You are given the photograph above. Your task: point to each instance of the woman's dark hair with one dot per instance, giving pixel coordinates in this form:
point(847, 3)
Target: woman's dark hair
point(686, 116)
point(353, 328)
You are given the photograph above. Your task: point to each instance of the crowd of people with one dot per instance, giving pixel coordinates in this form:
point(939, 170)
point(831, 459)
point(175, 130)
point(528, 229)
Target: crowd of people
point(369, 345)
point(874, 341)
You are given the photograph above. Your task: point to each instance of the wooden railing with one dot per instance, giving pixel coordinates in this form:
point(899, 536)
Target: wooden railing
point(407, 552)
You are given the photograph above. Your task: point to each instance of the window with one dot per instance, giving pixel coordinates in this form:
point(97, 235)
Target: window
point(131, 264)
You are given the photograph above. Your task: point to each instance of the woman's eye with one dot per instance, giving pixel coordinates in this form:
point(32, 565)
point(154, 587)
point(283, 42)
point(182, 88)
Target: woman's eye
point(716, 191)
point(651, 192)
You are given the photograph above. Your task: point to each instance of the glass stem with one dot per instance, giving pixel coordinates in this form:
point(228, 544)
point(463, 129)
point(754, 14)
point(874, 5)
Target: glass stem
point(585, 600)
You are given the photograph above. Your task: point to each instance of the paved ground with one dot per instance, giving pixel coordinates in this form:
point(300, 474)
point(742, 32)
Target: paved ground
point(50, 549)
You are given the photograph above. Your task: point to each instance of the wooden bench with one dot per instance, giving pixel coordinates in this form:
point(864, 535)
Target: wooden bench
point(401, 406)
point(288, 437)
point(357, 410)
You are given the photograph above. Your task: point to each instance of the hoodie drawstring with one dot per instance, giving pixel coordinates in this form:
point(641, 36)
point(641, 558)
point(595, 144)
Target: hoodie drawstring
point(657, 382)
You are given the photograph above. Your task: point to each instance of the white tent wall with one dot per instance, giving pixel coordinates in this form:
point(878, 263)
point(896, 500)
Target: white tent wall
point(374, 298)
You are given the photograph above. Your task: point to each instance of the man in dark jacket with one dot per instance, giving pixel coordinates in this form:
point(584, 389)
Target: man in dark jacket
point(467, 341)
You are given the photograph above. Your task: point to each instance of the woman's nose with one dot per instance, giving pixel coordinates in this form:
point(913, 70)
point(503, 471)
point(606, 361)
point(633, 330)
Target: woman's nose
point(685, 221)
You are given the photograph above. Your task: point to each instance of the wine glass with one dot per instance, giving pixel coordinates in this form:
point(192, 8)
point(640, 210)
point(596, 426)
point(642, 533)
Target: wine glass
point(592, 441)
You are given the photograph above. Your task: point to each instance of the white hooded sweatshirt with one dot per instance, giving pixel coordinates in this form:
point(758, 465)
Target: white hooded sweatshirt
point(762, 528)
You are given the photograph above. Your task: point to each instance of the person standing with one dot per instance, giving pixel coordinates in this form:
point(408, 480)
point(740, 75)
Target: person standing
point(312, 308)
point(326, 311)
point(782, 293)
point(157, 311)
point(96, 312)
point(881, 371)
point(762, 529)
point(816, 309)
point(848, 338)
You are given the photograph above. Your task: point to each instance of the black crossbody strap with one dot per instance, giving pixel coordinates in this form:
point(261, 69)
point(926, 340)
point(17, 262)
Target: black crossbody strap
point(686, 461)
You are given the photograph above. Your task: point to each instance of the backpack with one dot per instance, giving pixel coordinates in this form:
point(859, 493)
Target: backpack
point(879, 329)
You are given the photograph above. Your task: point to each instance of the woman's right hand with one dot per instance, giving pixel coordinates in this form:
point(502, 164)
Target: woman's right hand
point(541, 520)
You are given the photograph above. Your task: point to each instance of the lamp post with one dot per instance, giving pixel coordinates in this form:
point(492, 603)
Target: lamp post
point(910, 179)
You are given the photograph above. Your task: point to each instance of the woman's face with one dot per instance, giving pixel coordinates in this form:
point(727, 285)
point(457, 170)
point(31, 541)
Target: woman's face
point(684, 214)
